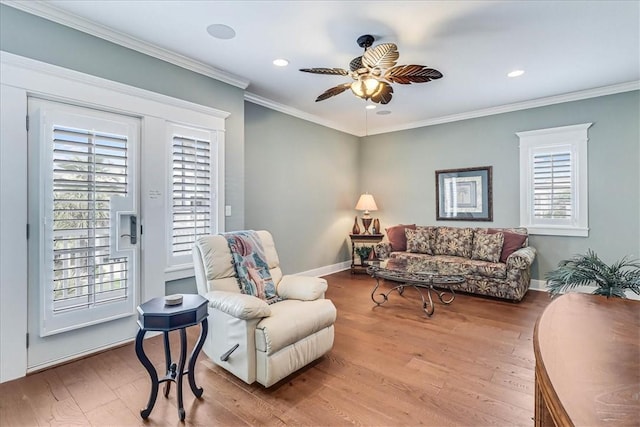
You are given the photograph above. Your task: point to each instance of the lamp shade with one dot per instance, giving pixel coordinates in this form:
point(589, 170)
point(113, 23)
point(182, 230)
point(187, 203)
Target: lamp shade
point(366, 203)
point(365, 88)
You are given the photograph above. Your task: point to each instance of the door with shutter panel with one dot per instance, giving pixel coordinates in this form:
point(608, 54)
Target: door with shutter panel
point(84, 230)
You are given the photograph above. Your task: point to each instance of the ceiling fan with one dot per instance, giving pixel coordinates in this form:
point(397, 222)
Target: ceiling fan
point(373, 71)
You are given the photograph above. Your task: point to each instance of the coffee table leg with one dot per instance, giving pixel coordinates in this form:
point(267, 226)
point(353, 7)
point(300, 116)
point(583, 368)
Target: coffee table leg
point(429, 307)
point(373, 294)
point(442, 293)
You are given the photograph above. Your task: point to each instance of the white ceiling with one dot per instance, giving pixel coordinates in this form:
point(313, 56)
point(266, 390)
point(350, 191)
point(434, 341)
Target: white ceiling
point(564, 47)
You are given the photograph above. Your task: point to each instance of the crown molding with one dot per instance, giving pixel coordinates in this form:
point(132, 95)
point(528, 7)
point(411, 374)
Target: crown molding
point(51, 13)
point(255, 99)
point(21, 64)
point(525, 105)
point(44, 10)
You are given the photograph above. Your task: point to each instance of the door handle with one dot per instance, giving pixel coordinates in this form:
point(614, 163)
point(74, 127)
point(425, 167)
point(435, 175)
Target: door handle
point(133, 230)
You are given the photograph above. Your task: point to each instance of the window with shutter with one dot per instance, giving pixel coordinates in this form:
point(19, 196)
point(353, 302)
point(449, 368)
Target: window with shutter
point(194, 210)
point(553, 180)
point(552, 185)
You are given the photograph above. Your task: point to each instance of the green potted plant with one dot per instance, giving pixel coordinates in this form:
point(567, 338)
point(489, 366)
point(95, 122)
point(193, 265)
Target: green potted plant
point(363, 252)
point(589, 269)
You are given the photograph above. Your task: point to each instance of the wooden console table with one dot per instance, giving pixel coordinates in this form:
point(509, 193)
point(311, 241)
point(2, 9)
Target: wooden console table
point(366, 239)
point(587, 350)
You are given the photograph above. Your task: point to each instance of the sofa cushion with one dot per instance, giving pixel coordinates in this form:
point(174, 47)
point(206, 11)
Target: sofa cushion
point(512, 242)
point(397, 238)
point(418, 241)
point(487, 247)
point(453, 241)
point(290, 321)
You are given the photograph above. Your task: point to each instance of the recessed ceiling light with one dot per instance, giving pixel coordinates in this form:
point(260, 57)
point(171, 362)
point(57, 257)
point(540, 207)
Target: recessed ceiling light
point(383, 112)
point(370, 107)
point(515, 73)
point(280, 62)
point(221, 31)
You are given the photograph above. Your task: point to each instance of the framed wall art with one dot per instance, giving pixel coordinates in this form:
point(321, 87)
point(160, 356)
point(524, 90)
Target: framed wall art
point(464, 194)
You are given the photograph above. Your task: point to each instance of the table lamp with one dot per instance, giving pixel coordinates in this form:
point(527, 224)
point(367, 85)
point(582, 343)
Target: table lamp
point(366, 204)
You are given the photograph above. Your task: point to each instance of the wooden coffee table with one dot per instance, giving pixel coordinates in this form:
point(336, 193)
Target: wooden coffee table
point(398, 270)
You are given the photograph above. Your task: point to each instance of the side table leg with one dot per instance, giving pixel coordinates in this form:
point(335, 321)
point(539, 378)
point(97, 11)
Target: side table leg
point(183, 351)
point(204, 327)
point(353, 256)
point(144, 413)
point(170, 368)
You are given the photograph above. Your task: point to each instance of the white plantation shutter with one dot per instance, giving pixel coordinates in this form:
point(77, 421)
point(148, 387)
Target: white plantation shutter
point(88, 168)
point(553, 181)
point(552, 185)
point(193, 190)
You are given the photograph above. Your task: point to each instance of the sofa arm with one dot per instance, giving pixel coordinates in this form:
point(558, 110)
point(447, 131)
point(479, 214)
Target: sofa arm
point(383, 250)
point(238, 305)
point(522, 258)
point(303, 288)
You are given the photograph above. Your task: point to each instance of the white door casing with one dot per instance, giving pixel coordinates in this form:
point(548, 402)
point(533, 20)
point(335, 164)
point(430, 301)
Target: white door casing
point(22, 78)
point(83, 208)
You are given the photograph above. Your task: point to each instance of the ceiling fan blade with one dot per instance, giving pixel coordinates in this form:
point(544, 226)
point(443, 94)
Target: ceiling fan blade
point(407, 74)
point(327, 71)
point(382, 56)
point(384, 94)
point(356, 63)
point(337, 90)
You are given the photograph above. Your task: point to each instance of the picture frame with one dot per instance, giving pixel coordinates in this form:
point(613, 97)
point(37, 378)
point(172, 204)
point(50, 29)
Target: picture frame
point(464, 194)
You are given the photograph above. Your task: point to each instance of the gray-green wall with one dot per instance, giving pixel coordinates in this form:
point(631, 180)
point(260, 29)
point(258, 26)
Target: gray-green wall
point(399, 168)
point(301, 184)
point(301, 180)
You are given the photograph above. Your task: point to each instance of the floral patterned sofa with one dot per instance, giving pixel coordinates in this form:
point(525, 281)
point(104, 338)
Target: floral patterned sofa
point(494, 261)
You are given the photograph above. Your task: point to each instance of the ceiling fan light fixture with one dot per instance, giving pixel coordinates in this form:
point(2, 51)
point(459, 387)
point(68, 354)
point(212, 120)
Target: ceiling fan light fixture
point(373, 73)
point(365, 88)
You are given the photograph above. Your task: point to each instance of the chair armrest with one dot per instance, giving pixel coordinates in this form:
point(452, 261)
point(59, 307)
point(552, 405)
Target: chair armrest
point(238, 305)
point(383, 250)
point(303, 288)
point(522, 258)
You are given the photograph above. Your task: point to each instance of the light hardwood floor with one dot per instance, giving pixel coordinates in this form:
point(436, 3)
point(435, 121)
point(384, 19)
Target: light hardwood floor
point(471, 364)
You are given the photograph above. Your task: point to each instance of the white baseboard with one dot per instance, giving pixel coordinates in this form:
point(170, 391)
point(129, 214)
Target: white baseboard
point(538, 285)
point(328, 269)
point(83, 354)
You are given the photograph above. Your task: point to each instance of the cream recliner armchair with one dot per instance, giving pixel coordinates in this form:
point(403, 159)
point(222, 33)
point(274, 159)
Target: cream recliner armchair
point(249, 338)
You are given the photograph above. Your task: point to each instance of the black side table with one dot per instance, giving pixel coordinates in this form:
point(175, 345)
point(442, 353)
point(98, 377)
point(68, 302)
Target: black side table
point(154, 315)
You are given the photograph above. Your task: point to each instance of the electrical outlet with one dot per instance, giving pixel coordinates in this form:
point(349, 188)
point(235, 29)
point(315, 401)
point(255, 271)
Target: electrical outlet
point(227, 210)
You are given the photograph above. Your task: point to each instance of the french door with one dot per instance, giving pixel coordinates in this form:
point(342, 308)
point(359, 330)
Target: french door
point(83, 230)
